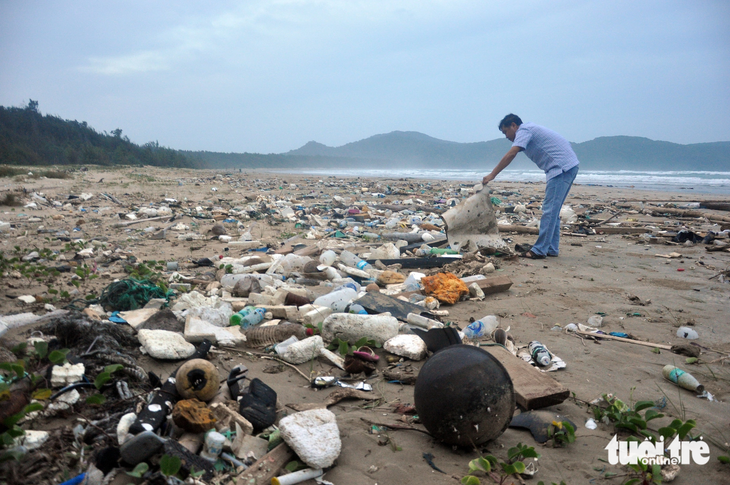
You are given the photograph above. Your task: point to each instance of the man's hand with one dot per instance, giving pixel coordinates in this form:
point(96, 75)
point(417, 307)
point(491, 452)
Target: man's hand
point(487, 179)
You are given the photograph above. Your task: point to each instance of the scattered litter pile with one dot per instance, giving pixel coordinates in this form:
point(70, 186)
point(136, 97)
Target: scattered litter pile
point(124, 366)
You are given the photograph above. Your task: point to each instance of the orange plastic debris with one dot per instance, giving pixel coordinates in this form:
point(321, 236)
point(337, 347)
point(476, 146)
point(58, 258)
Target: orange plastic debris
point(445, 287)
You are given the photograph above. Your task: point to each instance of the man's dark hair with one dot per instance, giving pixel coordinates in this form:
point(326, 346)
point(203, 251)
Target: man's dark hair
point(508, 120)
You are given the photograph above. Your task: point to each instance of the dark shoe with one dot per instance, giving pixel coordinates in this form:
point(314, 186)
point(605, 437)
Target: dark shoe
point(552, 255)
point(531, 255)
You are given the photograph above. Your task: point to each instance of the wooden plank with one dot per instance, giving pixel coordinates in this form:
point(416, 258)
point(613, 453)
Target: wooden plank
point(533, 389)
point(626, 340)
point(433, 262)
point(494, 285)
point(267, 467)
point(601, 229)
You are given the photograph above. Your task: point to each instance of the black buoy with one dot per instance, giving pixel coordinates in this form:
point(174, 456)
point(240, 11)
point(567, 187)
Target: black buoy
point(464, 396)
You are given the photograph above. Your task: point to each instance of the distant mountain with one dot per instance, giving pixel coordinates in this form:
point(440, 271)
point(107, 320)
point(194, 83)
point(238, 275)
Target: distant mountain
point(637, 153)
point(409, 148)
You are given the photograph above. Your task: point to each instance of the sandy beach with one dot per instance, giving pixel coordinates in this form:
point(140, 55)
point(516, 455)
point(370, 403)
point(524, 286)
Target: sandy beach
point(619, 273)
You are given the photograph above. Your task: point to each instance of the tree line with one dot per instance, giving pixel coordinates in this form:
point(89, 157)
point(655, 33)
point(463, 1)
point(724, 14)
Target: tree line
point(30, 138)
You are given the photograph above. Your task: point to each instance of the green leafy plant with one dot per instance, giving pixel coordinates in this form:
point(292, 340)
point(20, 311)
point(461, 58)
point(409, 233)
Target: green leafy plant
point(295, 465)
point(677, 428)
point(103, 377)
point(139, 470)
point(15, 431)
point(642, 474)
point(345, 348)
point(624, 416)
point(106, 375)
point(498, 470)
point(561, 433)
point(58, 357)
point(169, 465)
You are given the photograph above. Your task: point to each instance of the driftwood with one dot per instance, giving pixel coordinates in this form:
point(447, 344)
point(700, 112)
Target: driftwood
point(626, 340)
point(605, 230)
point(137, 221)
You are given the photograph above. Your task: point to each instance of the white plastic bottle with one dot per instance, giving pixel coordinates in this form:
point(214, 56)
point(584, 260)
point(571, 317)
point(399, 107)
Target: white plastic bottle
point(327, 258)
point(353, 261)
point(352, 327)
point(337, 300)
point(423, 322)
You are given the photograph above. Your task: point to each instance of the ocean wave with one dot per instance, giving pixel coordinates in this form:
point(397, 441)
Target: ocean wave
point(698, 180)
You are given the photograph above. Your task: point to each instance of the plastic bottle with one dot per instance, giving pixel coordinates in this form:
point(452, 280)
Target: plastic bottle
point(328, 257)
point(350, 259)
point(474, 330)
point(297, 477)
point(443, 251)
point(253, 318)
point(424, 322)
point(351, 327)
point(412, 283)
point(300, 351)
point(237, 317)
point(539, 353)
point(682, 378)
point(337, 300)
point(355, 308)
point(213, 445)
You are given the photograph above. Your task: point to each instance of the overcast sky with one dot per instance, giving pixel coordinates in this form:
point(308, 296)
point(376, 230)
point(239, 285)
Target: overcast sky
point(269, 76)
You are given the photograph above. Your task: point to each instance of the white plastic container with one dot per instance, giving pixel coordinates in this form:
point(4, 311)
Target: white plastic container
point(328, 257)
point(337, 300)
point(352, 327)
point(412, 283)
point(229, 281)
point(297, 477)
point(300, 351)
point(386, 251)
point(688, 333)
point(213, 446)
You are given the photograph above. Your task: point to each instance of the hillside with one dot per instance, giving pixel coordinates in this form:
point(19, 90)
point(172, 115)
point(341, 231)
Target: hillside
point(28, 137)
point(604, 153)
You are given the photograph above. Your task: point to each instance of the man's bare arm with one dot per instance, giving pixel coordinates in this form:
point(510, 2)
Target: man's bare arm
point(506, 160)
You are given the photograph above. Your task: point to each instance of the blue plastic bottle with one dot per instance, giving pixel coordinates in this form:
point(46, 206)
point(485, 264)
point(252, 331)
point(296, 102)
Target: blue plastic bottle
point(237, 317)
point(253, 318)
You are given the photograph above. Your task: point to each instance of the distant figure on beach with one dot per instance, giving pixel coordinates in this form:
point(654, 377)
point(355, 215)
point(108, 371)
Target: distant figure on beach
point(552, 153)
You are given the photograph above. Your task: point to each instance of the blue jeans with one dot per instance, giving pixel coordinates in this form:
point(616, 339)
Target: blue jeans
point(556, 191)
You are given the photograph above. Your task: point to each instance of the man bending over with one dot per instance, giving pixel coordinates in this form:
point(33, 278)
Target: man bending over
point(553, 154)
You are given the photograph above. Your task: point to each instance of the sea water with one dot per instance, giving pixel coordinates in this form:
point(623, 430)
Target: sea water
point(671, 181)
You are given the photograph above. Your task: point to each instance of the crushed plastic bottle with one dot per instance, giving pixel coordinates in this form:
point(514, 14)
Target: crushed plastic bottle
point(480, 328)
point(682, 378)
point(539, 353)
point(253, 318)
point(237, 317)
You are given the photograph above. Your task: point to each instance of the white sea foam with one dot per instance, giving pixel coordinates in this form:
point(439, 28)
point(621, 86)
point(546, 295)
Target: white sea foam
point(671, 181)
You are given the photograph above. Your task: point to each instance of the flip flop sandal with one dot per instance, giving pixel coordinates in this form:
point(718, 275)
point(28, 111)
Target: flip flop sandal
point(531, 255)
point(522, 248)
